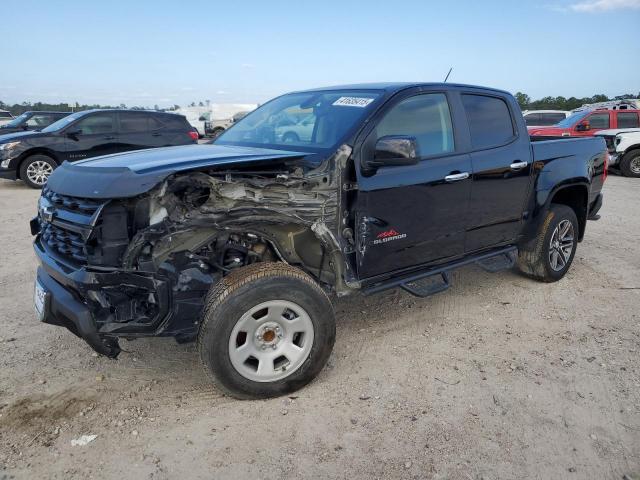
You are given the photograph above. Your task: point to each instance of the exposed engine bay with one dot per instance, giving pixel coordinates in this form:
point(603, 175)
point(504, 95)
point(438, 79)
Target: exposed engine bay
point(155, 256)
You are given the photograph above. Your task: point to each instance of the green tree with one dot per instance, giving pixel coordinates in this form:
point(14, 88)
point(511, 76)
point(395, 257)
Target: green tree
point(523, 100)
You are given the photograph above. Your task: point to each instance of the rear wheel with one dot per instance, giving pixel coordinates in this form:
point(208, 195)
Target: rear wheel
point(549, 256)
point(36, 169)
point(630, 164)
point(267, 330)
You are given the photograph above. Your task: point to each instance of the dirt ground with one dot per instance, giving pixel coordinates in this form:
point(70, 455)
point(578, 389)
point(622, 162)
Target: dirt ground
point(500, 377)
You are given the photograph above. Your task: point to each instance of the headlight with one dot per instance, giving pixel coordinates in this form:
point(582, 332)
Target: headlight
point(9, 145)
point(5, 163)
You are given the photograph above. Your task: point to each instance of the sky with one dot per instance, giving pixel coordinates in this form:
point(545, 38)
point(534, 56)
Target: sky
point(166, 52)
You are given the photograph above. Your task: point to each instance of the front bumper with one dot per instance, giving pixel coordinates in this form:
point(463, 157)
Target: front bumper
point(101, 305)
point(63, 309)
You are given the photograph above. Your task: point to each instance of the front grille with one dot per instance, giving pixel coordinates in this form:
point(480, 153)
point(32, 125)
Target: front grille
point(85, 206)
point(71, 223)
point(64, 242)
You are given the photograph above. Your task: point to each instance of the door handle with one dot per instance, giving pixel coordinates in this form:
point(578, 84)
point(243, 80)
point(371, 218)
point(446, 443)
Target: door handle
point(109, 138)
point(518, 165)
point(156, 134)
point(456, 177)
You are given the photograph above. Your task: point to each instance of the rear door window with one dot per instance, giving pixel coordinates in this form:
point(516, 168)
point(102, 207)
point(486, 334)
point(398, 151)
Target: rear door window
point(598, 120)
point(628, 120)
point(425, 117)
point(490, 123)
point(134, 123)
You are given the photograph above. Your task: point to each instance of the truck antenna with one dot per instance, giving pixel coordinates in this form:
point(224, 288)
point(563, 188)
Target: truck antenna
point(449, 73)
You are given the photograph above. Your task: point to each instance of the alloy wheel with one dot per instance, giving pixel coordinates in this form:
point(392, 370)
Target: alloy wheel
point(561, 245)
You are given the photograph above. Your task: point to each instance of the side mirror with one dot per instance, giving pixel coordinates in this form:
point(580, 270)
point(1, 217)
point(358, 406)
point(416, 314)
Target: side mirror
point(201, 118)
point(74, 133)
point(393, 151)
point(583, 126)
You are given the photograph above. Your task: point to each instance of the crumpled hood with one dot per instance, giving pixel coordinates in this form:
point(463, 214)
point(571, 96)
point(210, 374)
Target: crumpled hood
point(132, 173)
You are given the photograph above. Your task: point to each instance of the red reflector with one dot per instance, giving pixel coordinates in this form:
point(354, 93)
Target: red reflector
point(606, 168)
point(193, 135)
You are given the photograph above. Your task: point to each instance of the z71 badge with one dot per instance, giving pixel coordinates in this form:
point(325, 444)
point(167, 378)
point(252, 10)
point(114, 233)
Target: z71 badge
point(388, 236)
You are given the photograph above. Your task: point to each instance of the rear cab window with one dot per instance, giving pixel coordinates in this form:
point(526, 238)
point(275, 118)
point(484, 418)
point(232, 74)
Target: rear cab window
point(551, 118)
point(532, 119)
point(490, 122)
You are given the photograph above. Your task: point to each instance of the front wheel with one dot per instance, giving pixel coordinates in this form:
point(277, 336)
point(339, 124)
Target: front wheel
point(549, 256)
point(36, 169)
point(630, 164)
point(267, 330)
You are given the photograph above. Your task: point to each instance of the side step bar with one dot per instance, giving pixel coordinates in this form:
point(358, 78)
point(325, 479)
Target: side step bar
point(436, 280)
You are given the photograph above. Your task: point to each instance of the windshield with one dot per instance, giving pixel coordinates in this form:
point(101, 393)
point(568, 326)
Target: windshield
point(17, 121)
point(63, 122)
point(571, 120)
point(310, 121)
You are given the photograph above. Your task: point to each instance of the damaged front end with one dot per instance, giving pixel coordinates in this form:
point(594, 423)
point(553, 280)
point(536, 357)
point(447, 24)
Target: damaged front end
point(142, 265)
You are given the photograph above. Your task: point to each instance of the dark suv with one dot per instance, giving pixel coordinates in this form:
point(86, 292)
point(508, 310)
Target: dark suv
point(32, 156)
point(32, 121)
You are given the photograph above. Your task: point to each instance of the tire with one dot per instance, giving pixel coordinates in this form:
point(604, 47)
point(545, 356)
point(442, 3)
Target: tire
point(290, 137)
point(537, 259)
point(251, 322)
point(36, 169)
point(630, 164)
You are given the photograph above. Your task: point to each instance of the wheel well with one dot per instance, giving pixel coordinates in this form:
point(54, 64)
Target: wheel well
point(31, 153)
point(575, 197)
point(631, 150)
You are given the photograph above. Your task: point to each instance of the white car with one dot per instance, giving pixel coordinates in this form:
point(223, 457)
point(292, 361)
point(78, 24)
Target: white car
point(624, 149)
point(5, 117)
point(292, 132)
point(544, 118)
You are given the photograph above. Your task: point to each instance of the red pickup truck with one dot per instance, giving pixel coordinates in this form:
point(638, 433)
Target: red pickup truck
point(586, 123)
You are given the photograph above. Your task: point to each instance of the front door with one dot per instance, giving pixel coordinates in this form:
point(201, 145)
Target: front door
point(416, 214)
point(92, 136)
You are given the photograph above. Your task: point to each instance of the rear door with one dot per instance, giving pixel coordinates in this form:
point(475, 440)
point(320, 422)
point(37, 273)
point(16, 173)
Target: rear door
point(416, 214)
point(501, 171)
point(135, 131)
point(91, 136)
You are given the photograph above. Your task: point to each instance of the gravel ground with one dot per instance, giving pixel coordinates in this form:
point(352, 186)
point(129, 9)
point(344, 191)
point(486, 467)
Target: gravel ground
point(499, 377)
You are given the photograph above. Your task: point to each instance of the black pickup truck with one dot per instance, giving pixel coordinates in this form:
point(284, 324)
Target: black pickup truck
point(239, 245)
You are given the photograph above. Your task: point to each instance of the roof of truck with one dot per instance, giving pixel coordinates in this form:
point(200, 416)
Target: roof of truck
point(397, 86)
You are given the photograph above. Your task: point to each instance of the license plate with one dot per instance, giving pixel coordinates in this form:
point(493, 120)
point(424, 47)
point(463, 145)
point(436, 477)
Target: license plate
point(39, 300)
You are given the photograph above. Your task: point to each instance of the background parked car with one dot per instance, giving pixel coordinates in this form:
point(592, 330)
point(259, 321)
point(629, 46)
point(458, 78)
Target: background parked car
point(32, 121)
point(32, 156)
point(624, 150)
point(5, 117)
point(544, 118)
point(585, 123)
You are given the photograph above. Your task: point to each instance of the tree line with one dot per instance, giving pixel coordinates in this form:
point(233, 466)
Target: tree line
point(525, 102)
point(562, 103)
point(19, 108)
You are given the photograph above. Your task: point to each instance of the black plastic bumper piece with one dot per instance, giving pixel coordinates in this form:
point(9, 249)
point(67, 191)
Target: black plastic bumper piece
point(9, 174)
point(61, 308)
point(595, 208)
